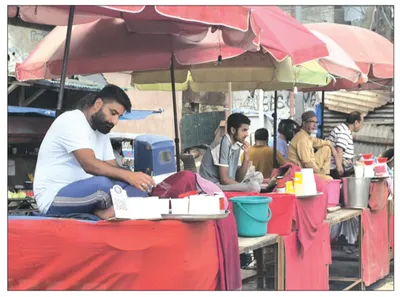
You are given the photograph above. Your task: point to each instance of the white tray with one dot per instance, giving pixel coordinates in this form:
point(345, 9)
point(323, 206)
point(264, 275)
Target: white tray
point(195, 217)
point(378, 177)
point(308, 196)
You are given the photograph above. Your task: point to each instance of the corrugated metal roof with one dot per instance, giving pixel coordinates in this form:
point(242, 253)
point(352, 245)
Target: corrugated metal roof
point(363, 101)
point(377, 134)
point(74, 84)
point(369, 148)
point(381, 116)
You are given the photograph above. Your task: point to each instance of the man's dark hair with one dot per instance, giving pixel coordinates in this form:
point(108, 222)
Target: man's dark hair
point(353, 117)
point(235, 120)
point(261, 135)
point(288, 128)
point(109, 93)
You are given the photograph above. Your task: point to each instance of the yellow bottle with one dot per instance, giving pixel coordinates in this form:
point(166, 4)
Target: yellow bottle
point(289, 187)
point(298, 183)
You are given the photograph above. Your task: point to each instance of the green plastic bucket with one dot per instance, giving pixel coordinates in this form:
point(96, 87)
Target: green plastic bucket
point(252, 214)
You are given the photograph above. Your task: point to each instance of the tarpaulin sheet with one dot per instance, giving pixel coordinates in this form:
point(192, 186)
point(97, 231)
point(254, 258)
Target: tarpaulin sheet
point(183, 183)
point(41, 111)
point(375, 253)
point(378, 194)
point(139, 114)
point(391, 233)
point(64, 254)
point(309, 272)
point(391, 224)
point(309, 213)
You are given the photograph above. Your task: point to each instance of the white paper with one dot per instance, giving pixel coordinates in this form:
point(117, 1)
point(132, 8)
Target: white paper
point(202, 204)
point(180, 206)
point(120, 202)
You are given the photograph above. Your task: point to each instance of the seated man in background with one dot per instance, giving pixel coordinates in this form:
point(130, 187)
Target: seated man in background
point(221, 162)
point(262, 156)
point(287, 130)
point(301, 148)
point(342, 139)
point(76, 167)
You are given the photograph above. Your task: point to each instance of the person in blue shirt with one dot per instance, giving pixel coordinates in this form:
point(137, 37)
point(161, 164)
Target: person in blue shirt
point(286, 129)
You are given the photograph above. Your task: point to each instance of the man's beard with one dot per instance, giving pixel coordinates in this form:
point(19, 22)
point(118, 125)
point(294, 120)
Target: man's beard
point(100, 124)
point(236, 138)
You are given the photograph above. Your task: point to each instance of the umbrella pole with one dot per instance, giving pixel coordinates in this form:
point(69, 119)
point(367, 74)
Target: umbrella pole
point(177, 151)
point(275, 127)
point(322, 114)
point(65, 61)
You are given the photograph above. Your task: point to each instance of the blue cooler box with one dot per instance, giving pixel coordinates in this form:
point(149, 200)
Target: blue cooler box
point(154, 154)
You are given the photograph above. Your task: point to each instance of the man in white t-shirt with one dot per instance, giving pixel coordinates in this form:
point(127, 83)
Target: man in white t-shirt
point(76, 167)
point(342, 139)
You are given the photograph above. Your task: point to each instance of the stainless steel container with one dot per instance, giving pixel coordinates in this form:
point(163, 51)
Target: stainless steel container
point(356, 192)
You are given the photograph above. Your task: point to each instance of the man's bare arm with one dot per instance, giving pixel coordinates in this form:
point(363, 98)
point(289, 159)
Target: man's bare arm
point(224, 176)
point(91, 165)
point(113, 163)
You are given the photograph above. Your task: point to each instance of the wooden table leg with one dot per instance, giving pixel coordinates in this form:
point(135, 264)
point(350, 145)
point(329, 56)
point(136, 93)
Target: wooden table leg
point(327, 268)
point(259, 256)
point(276, 263)
point(360, 240)
point(281, 265)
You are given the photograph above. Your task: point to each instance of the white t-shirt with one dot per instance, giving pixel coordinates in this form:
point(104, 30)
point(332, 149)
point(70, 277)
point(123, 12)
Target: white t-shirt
point(56, 165)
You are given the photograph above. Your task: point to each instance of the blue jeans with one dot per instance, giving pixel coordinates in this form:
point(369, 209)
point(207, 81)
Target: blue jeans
point(85, 196)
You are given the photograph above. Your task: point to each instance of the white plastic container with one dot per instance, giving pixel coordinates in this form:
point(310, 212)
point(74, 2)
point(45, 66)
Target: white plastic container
point(359, 171)
point(309, 186)
point(369, 171)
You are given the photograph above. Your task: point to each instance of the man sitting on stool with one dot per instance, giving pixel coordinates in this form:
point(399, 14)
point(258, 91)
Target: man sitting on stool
point(301, 148)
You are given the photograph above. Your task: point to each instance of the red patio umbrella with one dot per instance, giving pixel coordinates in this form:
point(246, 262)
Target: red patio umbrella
point(110, 42)
point(236, 22)
point(94, 51)
point(192, 22)
point(372, 53)
point(106, 45)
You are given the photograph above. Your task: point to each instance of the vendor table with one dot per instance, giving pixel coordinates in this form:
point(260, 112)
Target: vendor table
point(65, 254)
point(339, 216)
point(258, 245)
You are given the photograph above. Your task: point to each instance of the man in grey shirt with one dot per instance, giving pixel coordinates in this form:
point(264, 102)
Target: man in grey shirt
point(221, 163)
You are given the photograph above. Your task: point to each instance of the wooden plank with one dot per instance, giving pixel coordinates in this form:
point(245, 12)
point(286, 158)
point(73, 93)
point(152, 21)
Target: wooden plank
point(281, 265)
point(344, 279)
point(342, 215)
point(353, 285)
point(259, 256)
point(247, 244)
point(12, 87)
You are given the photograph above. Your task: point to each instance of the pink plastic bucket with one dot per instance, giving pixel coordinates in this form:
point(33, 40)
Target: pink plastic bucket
point(333, 192)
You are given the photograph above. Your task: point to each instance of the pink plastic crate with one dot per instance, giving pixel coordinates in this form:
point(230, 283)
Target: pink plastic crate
point(334, 192)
